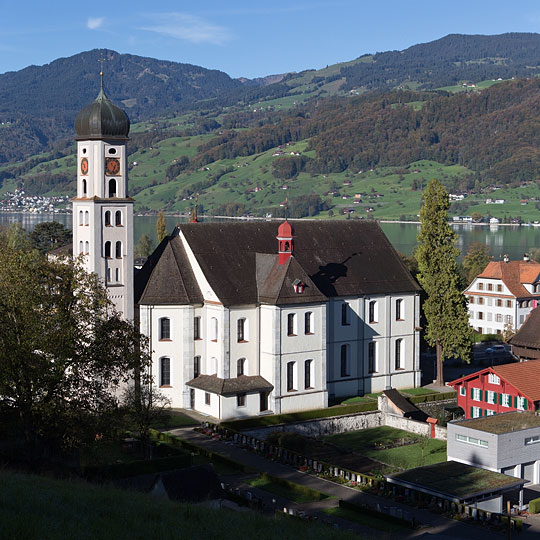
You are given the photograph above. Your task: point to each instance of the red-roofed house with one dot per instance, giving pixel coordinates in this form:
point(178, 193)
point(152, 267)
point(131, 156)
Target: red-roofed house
point(498, 389)
point(503, 295)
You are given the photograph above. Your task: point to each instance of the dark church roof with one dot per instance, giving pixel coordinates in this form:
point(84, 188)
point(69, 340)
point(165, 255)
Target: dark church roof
point(101, 119)
point(333, 259)
point(529, 333)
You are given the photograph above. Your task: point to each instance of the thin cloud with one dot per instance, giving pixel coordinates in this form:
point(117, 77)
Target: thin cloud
point(94, 23)
point(189, 28)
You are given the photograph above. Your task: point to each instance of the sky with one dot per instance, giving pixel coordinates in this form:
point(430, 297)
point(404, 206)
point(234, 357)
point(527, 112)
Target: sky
point(245, 38)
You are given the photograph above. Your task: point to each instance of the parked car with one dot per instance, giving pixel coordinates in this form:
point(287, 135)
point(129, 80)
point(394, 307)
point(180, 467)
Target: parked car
point(496, 349)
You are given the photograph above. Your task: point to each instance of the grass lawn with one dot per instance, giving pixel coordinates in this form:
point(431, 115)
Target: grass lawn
point(288, 490)
point(365, 519)
point(368, 442)
point(37, 507)
point(417, 391)
point(176, 420)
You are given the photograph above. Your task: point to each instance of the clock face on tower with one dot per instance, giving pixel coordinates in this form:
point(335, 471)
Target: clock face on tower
point(112, 166)
point(84, 166)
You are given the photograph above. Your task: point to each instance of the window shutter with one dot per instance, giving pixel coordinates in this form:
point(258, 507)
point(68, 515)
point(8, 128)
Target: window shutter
point(500, 399)
point(515, 402)
point(472, 393)
point(479, 412)
point(480, 395)
point(472, 412)
point(524, 404)
point(495, 398)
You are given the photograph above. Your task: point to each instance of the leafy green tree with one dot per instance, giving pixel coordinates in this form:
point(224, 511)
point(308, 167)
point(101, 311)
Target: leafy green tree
point(445, 309)
point(50, 235)
point(161, 227)
point(144, 246)
point(64, 354)
point(477, 257)
point(16, 237)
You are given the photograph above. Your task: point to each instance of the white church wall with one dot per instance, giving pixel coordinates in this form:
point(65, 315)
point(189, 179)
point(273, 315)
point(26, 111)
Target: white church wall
point(247, 348)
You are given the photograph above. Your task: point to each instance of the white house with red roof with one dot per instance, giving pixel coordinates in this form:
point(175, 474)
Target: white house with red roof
point(499, 389)
point(503, 295)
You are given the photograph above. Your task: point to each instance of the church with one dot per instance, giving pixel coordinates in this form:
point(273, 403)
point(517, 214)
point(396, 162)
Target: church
point(247, 318)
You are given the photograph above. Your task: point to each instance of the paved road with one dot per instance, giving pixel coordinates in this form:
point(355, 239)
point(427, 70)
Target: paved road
point(436, 525)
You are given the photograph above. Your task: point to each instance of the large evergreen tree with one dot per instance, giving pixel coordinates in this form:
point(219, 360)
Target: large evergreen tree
point(445, 309)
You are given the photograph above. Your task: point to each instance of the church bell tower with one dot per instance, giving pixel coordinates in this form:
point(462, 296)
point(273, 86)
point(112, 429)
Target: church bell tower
point(102, 210)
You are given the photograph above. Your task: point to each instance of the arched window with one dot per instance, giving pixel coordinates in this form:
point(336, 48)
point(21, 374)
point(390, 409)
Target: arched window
point(81, 217)
point(118, 250)
point(87, 218)
point(84, 190)
point(242, 330)
point(112, 187)
point(372, 357)
point(81, 247)
point(308, 374)
point(118, 218)
point(291, 324)
point(87, 247)
point(196, 366)
point(117, 275)
point(165, 328)
point(345, 361)
point(213, 366)
point(107, 250)
point(107, 218)
point(399, 354)
point(213, 329)
point(241, 367)
point(165, 371)
point(308, 322)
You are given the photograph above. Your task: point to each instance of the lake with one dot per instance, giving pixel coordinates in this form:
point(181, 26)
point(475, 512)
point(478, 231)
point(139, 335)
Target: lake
point(513, 240)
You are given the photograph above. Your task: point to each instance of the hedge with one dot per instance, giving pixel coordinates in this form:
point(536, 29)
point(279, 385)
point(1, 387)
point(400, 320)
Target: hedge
point(275, 419)
point(439, 396)
point(137, 468)
point(175, 441)
point(534, 506)
point(348, 505)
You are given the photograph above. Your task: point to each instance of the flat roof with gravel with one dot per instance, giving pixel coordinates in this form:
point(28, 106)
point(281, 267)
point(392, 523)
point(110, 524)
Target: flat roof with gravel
point(456, 481)
point(502, 423)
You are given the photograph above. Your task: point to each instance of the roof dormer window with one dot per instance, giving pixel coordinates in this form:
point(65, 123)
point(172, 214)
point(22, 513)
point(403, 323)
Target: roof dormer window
point(298, 286)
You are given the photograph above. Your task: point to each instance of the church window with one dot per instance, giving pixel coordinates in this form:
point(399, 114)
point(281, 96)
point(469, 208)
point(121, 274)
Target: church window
point(372, 357)
point(291, 324)
point(165, 328)
point(345, 360)
point(81, 247)
point(372, 311)
point(108, 249)
point(112, 188)
point(213, 366)
point(165, 371)
point(213, 329)
point(87, 247)
point(308, 374)
point(399, 309)
point(118, 250)
point(196, 328)
point(118, 218)
point(117, 275)
point(196, 366)
point(206, 398)
point(81, 217)
point(242, 330)
point(240, 367)
point(291, 376)
point(399, 354)
point(84, 187)
point(107, 218)
point(112, 151)
point(308, 322)
point(87, 218)
point(241, 400)
point(345, 314)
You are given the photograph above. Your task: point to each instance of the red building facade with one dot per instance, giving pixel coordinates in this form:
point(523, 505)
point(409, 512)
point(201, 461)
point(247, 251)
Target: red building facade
point(499, 389)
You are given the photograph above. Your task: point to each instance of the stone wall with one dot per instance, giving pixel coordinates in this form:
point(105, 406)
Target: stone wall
point(351, 422)
point(325, 426)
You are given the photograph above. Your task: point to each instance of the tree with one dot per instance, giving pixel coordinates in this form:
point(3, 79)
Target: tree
point(161, 227)
point(477, 257)
point(144, 246)
point(64, 354)
point(445, 309)
point(50, 235)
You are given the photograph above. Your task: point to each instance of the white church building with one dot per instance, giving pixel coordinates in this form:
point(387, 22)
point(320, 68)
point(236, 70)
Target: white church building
point(254, 317)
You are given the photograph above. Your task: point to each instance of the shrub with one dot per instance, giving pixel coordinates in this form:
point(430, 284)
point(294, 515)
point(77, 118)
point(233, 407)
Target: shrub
point(534, 506)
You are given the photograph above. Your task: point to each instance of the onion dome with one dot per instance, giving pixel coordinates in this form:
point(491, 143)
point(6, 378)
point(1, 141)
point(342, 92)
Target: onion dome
point(102, 120)
point(285, 230)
